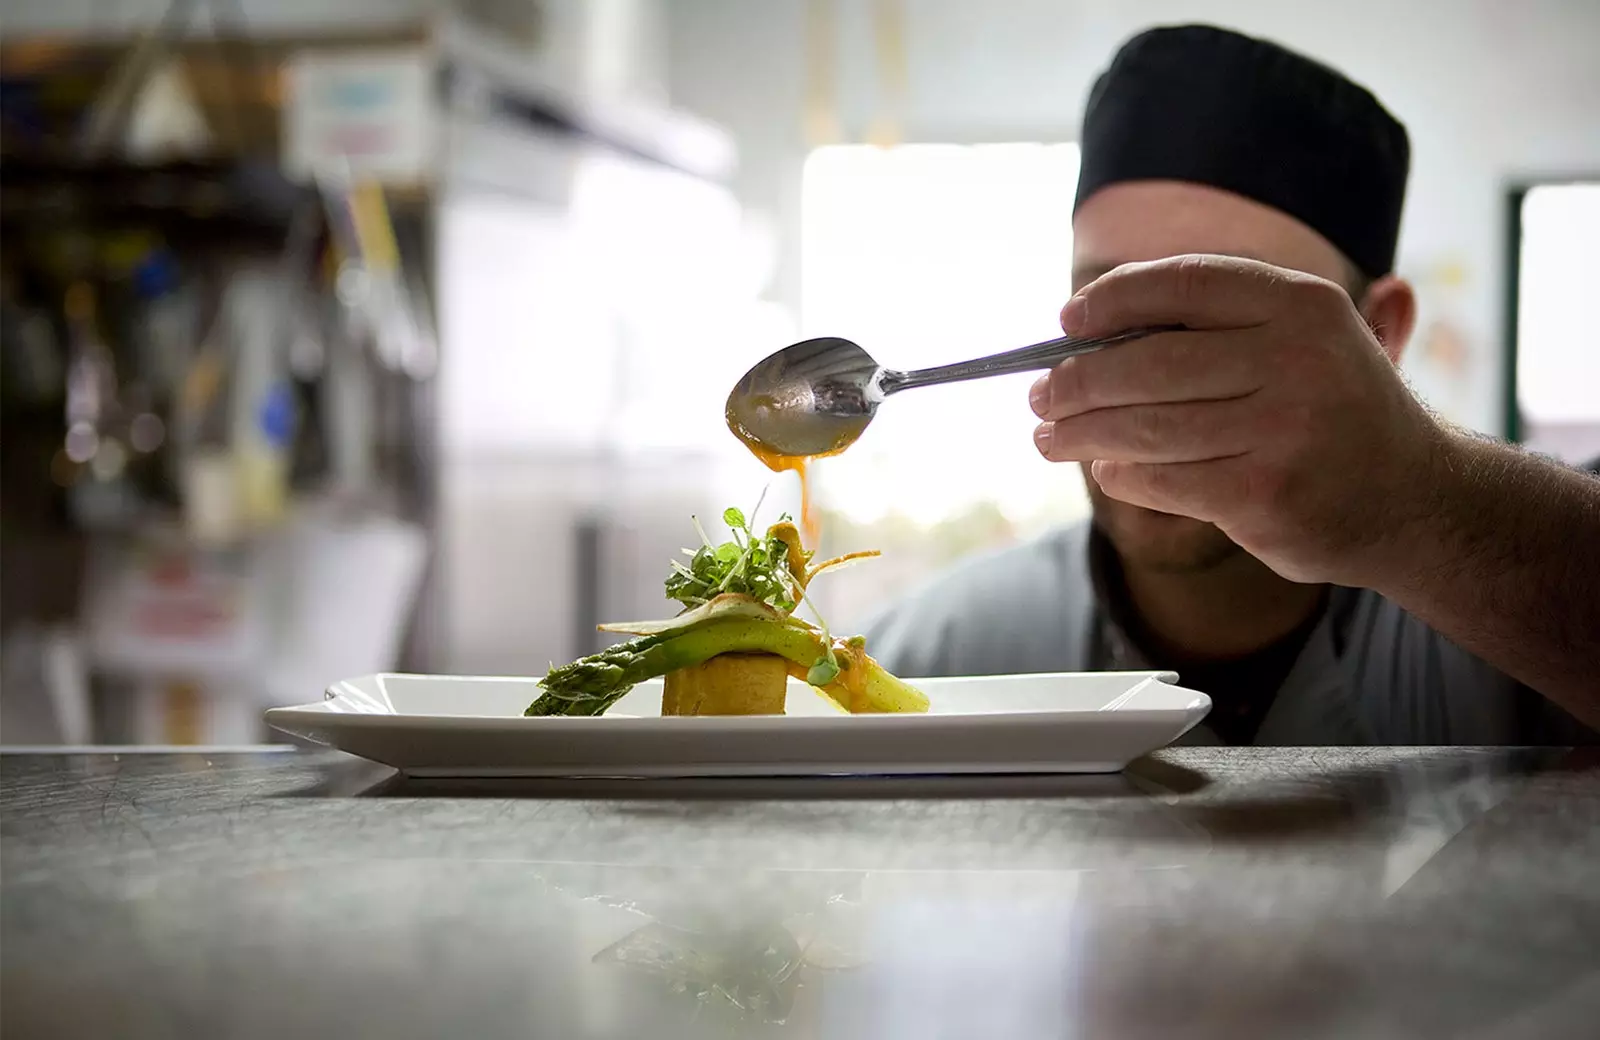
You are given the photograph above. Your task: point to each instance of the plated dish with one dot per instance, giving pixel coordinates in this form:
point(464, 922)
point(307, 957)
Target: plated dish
point(738, 684)
point(737, 641)
point(458, 726)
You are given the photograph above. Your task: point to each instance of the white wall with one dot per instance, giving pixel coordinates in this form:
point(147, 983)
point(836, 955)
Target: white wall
point(1490, 91)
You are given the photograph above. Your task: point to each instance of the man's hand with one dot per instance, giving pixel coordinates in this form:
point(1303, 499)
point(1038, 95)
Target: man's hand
point(1277, 417)
point(1280, 419)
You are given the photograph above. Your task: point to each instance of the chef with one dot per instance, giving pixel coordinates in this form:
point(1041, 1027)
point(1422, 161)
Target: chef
point(1275, 516)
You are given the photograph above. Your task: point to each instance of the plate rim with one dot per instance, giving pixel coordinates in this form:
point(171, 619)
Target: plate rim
point(316, 712)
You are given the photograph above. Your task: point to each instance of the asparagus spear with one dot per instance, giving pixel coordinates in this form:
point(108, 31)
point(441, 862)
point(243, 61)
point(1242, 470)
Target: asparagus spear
point(592, 684)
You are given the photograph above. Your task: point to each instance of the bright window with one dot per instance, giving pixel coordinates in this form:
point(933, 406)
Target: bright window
point(1558, 352)
point(926, 254)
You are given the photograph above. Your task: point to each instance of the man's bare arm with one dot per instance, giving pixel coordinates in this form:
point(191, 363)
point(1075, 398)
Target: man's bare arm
point(1504, 559)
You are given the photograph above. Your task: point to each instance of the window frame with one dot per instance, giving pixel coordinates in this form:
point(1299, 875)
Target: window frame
point(1516, 194)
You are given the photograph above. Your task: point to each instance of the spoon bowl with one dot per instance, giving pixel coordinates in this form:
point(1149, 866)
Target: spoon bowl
point(810, 399)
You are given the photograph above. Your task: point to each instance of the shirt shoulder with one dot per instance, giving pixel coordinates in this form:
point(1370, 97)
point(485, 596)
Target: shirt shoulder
point(1025, 608)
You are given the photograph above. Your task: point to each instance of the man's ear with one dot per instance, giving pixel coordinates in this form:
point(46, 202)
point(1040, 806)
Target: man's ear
point(1390, 310)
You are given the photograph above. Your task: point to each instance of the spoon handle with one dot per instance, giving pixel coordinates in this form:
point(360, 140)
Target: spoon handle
point(1048, 354)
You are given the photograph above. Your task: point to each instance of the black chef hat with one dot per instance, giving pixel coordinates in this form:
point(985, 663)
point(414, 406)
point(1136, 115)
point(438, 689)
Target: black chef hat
point(1195, 103)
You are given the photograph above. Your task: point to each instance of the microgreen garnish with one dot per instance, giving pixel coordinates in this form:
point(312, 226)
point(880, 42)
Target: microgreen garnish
point(750, 565)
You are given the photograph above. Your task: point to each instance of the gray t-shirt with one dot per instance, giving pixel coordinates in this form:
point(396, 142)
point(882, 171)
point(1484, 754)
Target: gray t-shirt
point(1369, 672)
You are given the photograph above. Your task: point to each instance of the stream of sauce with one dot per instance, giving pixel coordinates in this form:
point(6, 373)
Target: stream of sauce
point(810, 518)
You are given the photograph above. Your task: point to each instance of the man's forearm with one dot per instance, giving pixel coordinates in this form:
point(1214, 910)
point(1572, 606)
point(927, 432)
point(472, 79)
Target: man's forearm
point(1505, 561)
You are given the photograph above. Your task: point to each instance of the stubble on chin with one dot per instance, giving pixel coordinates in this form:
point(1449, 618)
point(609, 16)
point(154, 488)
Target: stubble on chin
point(1160, 542)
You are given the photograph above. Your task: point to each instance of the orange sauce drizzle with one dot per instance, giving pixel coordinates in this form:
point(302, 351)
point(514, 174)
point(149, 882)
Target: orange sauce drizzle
point(810, 517)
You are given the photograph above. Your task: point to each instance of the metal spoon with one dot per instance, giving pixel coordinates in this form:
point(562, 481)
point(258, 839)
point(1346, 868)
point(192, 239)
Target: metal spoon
point(817, 396)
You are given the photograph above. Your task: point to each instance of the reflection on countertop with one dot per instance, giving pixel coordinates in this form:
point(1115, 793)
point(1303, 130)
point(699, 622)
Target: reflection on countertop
point(1205, 892)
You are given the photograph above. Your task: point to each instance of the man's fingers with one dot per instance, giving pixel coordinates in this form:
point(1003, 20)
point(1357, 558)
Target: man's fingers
point(1192, 489)
point(1172, 366)
point(1191, 431)
point(1199, 291)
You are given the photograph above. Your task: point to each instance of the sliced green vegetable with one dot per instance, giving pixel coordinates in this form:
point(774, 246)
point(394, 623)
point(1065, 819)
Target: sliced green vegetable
point(823, 672)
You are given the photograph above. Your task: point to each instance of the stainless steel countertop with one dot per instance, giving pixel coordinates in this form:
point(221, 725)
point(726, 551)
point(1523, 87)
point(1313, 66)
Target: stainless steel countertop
point(1204, 893)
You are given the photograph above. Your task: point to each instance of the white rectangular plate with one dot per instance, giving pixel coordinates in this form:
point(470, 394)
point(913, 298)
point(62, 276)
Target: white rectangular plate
point(453, 726)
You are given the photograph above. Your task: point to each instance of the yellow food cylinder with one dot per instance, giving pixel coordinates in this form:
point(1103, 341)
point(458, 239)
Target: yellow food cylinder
point(728, 684)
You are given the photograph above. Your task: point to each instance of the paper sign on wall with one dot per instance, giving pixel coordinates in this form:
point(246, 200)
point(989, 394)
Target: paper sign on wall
point(362, 114)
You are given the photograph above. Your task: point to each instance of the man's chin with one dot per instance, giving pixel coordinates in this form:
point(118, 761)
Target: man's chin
point(1156, 541)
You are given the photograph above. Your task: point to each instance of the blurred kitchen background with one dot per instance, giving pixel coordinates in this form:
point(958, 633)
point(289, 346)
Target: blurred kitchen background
point(382, 334)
